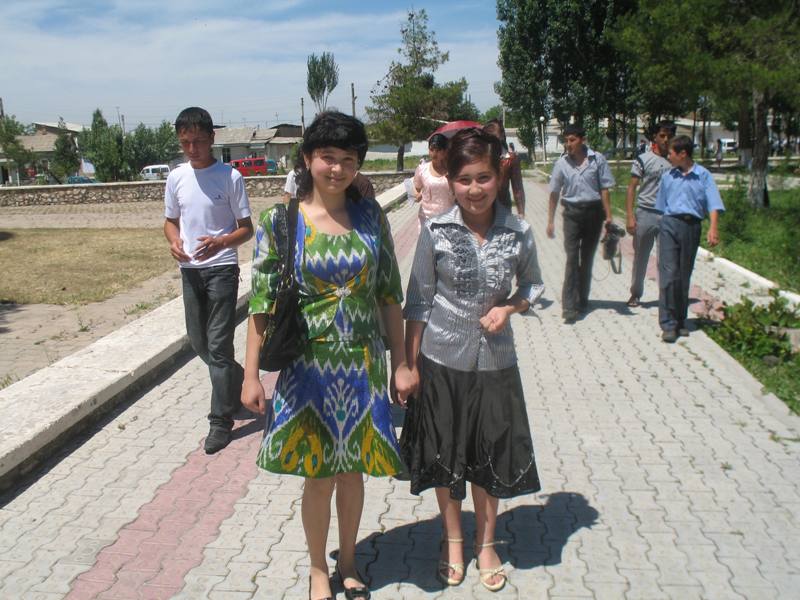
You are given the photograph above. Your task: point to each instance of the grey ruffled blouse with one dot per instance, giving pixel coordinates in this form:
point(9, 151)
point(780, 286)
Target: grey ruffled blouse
point(455, 281)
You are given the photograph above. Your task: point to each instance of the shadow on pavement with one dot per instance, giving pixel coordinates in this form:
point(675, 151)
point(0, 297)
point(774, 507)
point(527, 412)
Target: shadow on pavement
point(620, 306)
point(528, 536)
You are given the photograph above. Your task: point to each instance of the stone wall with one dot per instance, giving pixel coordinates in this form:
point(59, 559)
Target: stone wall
point(149, 191)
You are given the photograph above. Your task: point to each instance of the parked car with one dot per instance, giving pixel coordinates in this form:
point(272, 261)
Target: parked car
point(255, 166)
point(151, 172)
point(73, 179)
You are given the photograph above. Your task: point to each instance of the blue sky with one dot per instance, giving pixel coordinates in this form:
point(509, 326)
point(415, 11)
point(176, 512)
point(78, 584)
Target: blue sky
point(244, 61)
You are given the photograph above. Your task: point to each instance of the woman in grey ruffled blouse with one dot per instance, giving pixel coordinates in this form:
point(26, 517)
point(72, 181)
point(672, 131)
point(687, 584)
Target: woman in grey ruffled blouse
point(467, 421)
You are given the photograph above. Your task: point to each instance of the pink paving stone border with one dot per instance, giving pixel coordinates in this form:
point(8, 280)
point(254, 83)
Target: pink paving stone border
point(166, 540)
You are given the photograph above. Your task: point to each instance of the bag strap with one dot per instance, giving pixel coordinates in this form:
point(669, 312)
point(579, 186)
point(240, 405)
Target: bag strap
point(291, 237)
point(286, 239)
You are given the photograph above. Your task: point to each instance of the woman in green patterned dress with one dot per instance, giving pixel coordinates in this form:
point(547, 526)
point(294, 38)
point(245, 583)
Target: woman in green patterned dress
point(330, 420)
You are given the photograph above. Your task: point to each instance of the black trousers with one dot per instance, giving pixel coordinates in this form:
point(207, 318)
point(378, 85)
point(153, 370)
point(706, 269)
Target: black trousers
point(209, 303)
point(583, 224)
point(678, 239)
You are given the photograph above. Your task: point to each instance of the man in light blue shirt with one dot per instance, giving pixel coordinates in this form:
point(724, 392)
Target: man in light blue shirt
point(686, 195)
point(581, 180)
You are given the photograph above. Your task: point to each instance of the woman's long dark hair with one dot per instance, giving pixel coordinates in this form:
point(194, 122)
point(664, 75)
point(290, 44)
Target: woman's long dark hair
point(330, 128)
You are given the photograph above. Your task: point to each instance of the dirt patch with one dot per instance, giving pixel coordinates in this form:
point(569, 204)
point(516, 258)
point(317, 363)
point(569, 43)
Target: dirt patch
point(33, 336)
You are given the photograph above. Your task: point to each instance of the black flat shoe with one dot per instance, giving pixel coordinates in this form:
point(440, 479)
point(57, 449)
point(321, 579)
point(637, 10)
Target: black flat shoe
point(354, 593)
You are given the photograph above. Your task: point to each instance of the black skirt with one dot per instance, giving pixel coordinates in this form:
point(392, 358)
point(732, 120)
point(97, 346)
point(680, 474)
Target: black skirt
point(469, 426)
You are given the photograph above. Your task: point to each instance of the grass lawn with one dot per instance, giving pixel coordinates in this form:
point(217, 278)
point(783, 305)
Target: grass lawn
point(765, 241)
point(780, 379)
point(76, 266)
point(389, 164)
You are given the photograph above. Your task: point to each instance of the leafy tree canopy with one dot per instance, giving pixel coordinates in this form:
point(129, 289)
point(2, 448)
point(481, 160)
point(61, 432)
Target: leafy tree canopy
point(322, 78)
point(408, 104)
point(11, 148)
point(65, 157)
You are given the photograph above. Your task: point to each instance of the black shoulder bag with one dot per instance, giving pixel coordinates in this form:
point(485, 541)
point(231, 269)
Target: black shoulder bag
point(285, 333)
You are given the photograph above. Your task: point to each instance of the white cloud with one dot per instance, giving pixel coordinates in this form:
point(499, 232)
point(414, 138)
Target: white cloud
point(238, 67)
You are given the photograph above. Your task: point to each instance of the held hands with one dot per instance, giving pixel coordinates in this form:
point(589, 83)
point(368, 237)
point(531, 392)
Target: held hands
point(209, 246)
point(405, 383)
point(495, 320)
point(551, 230)
point(253, 397)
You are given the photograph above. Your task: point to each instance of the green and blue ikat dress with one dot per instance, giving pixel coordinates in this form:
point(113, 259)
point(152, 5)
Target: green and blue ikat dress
point(331, 406)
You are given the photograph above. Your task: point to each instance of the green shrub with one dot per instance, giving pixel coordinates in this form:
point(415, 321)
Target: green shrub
point(750, 329)
point(749, 333)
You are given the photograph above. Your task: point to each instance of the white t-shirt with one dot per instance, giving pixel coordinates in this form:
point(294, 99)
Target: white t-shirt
point(206, 202)
point(291, 186)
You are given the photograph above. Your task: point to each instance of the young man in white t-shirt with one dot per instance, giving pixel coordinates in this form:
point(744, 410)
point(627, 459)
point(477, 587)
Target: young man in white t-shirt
point(207, 217)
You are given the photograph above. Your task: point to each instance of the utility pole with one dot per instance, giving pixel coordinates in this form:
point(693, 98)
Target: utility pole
point(2, 114)
point(353, 96)
point(123, 124)
point(302, 117)
point(504, 114)
point(119, 119)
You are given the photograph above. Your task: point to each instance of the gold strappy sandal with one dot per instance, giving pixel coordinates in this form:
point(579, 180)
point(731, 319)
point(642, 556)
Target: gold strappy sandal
point(486, 575)
point(443, 572)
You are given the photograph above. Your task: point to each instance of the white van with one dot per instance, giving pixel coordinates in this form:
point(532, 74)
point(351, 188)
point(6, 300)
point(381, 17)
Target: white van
point(154, 172)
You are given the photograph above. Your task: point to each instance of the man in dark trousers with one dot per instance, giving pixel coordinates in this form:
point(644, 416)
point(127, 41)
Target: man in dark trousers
point(686, 195)
point(207, 218)
point(581, 180)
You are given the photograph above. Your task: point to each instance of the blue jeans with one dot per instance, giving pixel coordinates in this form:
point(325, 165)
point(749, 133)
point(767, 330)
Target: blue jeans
point(209, 303)
point(678, 239)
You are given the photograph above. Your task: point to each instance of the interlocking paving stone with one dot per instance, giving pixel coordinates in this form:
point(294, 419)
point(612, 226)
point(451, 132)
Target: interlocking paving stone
point(662, 478)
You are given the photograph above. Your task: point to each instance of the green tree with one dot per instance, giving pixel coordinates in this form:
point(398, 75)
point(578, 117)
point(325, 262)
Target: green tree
point(145, 146)
point(408, 104)
point(10, 146)
point(103, 146)
point(512, 119)
point(740, 55)
point(322, 79)
point(65, 158)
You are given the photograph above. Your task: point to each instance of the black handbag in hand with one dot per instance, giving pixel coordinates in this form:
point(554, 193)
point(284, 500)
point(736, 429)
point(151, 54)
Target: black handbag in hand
point(285, 333)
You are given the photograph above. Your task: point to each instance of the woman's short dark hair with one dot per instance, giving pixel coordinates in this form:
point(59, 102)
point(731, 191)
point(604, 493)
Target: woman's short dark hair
point(682, 143)
point(470, 145)
point(194, 117)
point(330, 128)
point(438, 141)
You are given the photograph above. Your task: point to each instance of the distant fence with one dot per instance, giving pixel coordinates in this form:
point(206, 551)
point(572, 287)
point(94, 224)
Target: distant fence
point(150, 191)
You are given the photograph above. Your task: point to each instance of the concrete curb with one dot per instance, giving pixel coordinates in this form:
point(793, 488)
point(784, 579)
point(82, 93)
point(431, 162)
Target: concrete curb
point(43, 408)
point(754, 278)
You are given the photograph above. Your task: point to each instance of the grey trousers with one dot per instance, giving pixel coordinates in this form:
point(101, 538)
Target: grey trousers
point(647, 222)
point(583, 224)
point(678, 239)
point(209, 304)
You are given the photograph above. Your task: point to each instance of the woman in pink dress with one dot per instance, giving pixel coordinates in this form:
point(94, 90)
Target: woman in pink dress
point(430, 181)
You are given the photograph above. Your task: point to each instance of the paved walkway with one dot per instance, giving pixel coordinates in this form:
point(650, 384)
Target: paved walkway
point(665, 475)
